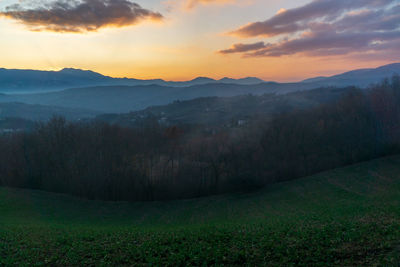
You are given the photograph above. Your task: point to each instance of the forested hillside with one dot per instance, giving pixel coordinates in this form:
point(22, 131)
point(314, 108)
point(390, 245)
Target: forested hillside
point(153, 162)
point(228, 111)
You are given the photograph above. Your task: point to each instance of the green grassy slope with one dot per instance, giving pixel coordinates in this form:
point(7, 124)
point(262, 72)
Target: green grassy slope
point(344, 217)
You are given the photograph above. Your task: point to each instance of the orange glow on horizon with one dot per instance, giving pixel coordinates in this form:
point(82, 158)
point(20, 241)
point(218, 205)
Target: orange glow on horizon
point(289, 71)
point(184, 46)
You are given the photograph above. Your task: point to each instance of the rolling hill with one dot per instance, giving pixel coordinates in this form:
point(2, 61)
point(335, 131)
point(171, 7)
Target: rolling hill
point(216, 111)
point(122, 99)
point(343, 217)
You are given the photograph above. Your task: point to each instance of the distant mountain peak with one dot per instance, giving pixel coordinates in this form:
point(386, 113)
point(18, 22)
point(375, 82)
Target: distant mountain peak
point(252, 79)
point(360, 77)
point(71, 70)
point(77, 71)
point(394, 66)
point(226, 79)
point(83, 73)
point(246, 80)
point(200, 79)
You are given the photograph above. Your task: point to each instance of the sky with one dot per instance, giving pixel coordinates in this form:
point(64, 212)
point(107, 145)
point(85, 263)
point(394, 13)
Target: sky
point(276, 40)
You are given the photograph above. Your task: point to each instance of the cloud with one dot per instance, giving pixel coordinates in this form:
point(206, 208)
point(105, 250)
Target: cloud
point(239, 48)
point(80, 16)
point(281, 11)
point(296, 19)
point(326, 43)
point(325, 27)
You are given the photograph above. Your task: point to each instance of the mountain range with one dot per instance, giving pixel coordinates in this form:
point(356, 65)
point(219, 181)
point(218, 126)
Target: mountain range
point(25, 81)
point(29, 81)
point(83, 101)
point(360, 78)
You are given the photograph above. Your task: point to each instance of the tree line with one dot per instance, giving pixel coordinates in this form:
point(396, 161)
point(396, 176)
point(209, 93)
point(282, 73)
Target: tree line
point(101, 161)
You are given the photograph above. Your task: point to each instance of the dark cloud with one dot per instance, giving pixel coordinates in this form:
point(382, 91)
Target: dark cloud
point(80, 16)
point(239, 48)
point(328, 43)
point(327, 27)
point(296, 19)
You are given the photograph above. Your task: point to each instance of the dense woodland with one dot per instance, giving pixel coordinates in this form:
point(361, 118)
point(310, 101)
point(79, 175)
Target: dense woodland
point(97, 160)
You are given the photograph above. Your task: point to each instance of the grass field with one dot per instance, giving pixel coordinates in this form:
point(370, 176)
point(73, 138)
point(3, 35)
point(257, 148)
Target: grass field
point(344, 217)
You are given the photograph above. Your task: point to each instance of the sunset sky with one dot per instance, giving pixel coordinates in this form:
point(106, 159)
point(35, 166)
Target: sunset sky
point(281, 40)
